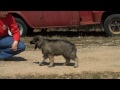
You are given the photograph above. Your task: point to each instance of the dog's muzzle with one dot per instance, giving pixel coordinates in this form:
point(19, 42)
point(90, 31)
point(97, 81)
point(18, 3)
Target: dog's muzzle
point(31, 42)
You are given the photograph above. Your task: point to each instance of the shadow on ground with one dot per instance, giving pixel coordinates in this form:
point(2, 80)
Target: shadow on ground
point(16, 59)
point(55, 64)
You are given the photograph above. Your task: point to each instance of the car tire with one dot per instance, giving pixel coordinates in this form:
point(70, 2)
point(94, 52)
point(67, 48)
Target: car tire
point(112, 25)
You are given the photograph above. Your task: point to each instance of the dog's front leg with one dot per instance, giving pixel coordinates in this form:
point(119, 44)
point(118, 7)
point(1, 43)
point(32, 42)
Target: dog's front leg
point(51, 58)
point(44, 58)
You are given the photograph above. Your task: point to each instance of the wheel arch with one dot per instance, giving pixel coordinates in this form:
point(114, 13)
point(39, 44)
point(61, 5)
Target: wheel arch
point(15, 15)
point(108, 13)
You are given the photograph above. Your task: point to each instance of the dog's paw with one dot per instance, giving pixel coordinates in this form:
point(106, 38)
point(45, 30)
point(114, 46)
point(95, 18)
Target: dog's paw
point(75, 66)
point(64, 64)
point(40, 64)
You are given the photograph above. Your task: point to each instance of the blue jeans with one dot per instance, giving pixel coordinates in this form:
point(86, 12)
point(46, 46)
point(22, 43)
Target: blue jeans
point(5, 47)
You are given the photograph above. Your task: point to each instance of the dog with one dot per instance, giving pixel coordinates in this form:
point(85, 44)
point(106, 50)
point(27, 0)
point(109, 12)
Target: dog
point(51, 48)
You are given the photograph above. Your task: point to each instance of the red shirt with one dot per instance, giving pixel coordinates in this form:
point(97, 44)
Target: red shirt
point(9, 22)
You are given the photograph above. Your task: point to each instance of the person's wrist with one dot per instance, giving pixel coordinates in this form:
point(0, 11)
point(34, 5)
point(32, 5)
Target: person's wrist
point(15, 42)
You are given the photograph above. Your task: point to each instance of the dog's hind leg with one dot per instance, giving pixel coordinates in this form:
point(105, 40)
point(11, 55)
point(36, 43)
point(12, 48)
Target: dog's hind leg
point(76, 62)
point(44, 58)
point(67, 61)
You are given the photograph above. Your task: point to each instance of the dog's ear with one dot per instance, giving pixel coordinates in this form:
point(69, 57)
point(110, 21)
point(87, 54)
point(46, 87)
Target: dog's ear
point(36, 38)
point(38, 45)
point(40, 38)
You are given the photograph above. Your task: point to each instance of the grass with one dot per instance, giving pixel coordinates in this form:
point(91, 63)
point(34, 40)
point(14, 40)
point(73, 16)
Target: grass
point(83, 36)
point(83, 75)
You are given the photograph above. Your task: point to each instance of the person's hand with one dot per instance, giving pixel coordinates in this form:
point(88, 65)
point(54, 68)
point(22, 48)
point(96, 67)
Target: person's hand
point(14, 46)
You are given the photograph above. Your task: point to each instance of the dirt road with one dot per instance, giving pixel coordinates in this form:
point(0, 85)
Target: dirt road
point(100, 58)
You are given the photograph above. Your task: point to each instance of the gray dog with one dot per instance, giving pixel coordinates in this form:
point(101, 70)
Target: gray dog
point(51, 48)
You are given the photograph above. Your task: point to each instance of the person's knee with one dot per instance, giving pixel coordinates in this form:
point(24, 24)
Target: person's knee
point(22, 46)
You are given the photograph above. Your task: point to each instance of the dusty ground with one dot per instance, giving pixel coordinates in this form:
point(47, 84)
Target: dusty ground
point(96, 59)
point(96, 53)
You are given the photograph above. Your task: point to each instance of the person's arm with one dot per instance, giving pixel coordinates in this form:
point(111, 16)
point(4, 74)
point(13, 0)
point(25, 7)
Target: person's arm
point(14, 30)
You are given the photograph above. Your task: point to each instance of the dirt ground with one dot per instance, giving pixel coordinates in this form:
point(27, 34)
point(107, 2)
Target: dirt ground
point(93, 58)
